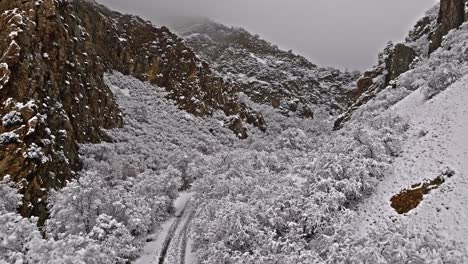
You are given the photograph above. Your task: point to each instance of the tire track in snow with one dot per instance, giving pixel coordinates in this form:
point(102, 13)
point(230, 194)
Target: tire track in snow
point(173, 248)
point(176, 249)
point(170, 236)
point(165, 246)
point(183, 248)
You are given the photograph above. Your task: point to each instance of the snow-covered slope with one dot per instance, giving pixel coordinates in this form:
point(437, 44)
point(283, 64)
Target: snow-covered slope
point(432, 99)
point(437, 141)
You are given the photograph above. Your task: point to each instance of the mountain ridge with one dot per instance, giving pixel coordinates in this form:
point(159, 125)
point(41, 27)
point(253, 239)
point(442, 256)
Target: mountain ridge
point(267, 74)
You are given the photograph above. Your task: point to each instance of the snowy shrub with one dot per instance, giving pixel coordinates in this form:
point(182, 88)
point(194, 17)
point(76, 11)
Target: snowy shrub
point(267, 204)
point(74, 209)
point(293, 138)
point(8, 138)
point(13, 118)
point(445, 75)
point(71, 249)
point(22, 242)
point(10, 196)
point(35, 152)
point(16, 233)
point(114, 239)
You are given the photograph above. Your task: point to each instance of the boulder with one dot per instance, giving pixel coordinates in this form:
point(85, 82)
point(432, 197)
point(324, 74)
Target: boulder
point(399, 61)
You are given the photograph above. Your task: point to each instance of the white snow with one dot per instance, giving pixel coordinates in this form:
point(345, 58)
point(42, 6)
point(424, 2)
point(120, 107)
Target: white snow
point(124, 91)
point(152, 250)
point(259, 60)
point(181, 202)
point(445, 120)
point(13, 34)
point(5, 77)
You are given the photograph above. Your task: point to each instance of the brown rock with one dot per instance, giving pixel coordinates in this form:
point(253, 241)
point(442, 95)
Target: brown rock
point(363, 84)
point(399, 61)
point(451, 15)
point(49, 8)
point(36, 60)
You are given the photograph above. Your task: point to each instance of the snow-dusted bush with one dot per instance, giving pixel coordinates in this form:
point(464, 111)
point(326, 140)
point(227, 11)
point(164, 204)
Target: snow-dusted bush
point(8, 138)
point(75, 208)
point(35, 152)
point(16, 233)
point(267, 207)
point(11, 199)
point(70, 249)
point(445, 75)
point(13, 118)
point(22, 242)
point(114, 238)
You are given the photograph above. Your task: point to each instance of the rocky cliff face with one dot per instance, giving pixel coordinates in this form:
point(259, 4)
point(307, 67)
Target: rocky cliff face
point(451, 15)
point(52, 94)
point(394, 61)
point(135, 47)
point(52, 97)
point(266, 74)
point(423, 39)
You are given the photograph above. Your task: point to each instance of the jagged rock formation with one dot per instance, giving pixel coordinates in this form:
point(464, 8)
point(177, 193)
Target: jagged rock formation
point(399, 61)
point(451, 15)
point(52, 94)
point(393, 61)
point(135, 47)
point(425, 38)
point(265, 73)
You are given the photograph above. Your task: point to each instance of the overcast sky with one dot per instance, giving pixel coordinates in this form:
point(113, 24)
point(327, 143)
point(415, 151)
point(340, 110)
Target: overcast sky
point(339, 33)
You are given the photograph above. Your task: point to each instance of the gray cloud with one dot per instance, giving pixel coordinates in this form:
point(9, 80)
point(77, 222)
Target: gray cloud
point(340, 33)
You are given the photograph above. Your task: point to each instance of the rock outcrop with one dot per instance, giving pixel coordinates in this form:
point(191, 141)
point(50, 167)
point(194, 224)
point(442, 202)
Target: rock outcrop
point(451, 16)
point(394, 61)
point(52, 95)
point(133, 46)
point(399, 61)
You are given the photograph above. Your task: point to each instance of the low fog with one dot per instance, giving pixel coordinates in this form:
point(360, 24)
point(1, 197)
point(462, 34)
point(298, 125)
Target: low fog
point(339, 33)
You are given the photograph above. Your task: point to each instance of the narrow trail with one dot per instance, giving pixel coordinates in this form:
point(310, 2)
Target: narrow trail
point(177, 247)
point(184, 248)
point(170, 237)
point(169, 245)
